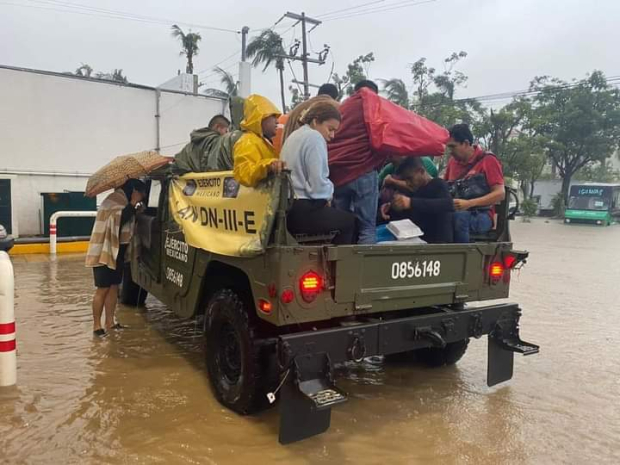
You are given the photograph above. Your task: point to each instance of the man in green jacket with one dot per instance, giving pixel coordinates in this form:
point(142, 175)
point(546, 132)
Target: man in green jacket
point(209, 149)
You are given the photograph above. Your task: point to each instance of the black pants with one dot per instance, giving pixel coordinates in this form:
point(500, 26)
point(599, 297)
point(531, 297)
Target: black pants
point(106, 277)
point(316, 217)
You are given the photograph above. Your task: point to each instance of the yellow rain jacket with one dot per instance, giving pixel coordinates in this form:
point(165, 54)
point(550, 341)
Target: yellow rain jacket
point(253, 152)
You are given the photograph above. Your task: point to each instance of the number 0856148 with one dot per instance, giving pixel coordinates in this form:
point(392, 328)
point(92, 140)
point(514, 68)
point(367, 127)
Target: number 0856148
point(425, 269)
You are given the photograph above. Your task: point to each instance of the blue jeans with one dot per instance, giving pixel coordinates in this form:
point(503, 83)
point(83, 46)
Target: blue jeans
point(361, 197)
point(466, 222)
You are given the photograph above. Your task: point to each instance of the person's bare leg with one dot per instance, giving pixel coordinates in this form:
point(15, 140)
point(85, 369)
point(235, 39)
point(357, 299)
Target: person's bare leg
point(110, 306)
point(98, 303)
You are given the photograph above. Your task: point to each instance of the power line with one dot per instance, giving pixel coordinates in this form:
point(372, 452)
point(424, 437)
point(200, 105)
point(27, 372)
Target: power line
point(85, 10)
point(395, 6)
point(237, 53)
point(517, 93)
point(215, 73)
point(355, 7)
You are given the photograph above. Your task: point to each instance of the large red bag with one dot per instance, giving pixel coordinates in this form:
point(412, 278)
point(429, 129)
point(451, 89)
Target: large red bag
point(394, 130)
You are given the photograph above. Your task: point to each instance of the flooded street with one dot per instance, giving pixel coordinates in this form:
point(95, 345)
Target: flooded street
point(142, 394)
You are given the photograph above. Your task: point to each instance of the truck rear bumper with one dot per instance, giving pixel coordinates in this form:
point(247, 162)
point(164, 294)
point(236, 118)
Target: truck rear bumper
point(308, 391)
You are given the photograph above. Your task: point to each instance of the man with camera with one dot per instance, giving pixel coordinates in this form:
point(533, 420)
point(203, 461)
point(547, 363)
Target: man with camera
point(477, 183)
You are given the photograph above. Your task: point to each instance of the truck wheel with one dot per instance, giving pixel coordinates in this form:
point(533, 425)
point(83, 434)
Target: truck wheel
point(449, 355)
point(232, 355)
point(130, 292)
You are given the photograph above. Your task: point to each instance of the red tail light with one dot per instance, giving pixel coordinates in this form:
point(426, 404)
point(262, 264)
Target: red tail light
point(510, 261)
point(287, 296)
point(496, 271)
point(310, 285)
point(265, 306)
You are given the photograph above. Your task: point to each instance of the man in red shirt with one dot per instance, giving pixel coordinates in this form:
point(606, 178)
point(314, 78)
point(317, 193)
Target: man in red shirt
point(353, 166)
point(474, 215)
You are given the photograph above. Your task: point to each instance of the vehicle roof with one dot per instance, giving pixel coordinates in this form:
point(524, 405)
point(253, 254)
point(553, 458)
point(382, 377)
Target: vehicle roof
point(601, 184)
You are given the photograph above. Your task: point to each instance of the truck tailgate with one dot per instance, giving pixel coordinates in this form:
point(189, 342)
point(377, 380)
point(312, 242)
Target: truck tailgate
point(410, 275)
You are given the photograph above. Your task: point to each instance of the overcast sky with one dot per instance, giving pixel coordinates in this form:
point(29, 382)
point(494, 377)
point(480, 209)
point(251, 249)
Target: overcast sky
point(508, 41)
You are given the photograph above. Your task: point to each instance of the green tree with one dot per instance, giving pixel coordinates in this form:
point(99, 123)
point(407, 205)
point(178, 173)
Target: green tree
point(356, 71)
point(508, 134)
point(84, 70)
point(189, 45)
point(434, 93)
point(267, 49)
point(230, 84)
point(598, 172)
point(296, 96)
point(579, 123)
point(118, 76)
point(396, 91)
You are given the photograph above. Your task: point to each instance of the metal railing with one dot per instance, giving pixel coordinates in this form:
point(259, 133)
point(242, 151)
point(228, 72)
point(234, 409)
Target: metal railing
point(54, 220)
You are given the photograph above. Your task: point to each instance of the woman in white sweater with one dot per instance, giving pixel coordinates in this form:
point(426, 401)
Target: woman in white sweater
point(305, 154)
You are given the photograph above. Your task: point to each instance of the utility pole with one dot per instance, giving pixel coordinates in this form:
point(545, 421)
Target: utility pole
point(305, 59)
point(244, 39)
point(245, 73)
point(304, 54)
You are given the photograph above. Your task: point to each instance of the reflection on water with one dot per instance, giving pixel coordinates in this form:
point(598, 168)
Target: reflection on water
point(142, 396)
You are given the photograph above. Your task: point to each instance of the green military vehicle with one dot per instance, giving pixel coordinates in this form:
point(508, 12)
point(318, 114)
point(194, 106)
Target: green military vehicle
point(277, 322)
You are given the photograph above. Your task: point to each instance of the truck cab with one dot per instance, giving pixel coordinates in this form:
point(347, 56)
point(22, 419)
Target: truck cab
point(275, 322)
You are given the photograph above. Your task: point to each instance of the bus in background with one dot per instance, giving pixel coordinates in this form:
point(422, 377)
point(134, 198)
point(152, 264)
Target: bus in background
point(595, 203)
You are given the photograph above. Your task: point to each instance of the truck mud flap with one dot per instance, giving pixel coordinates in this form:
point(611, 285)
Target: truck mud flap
point(306, 399)
point(306, 358)
point(504, 341)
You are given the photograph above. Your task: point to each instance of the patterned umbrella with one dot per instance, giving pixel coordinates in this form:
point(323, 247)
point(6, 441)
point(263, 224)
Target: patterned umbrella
point(122, 168)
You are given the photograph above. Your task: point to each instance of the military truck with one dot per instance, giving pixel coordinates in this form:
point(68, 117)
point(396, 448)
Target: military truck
point(276, 323)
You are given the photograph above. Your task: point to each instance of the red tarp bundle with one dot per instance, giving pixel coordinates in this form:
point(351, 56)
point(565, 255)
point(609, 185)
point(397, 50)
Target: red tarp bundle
point(394, 130)
point(374, 128)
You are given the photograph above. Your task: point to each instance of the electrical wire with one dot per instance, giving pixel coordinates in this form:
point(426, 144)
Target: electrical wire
point(518, 93)
point(85, 10)
point(295, 77)
point(395, 6)
point(355, 7)
point(237, 53)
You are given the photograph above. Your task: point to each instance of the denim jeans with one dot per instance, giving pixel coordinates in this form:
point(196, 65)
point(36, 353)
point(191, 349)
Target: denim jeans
point(361, 197)
point(466, 222)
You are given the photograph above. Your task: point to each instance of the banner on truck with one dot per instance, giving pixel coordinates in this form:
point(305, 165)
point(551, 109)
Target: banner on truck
point(219, 215)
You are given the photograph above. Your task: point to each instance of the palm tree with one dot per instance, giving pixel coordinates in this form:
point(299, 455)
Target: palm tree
point(117, 75)
point(84, 70)
point(230, 84)
point(189, 45)
point(396, 91)
point(267, 49)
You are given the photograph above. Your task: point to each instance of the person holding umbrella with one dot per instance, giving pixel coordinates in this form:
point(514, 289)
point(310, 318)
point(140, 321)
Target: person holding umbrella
point(112, 232)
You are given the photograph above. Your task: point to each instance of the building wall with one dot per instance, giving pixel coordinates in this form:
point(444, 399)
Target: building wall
point(546, 190)
point(56, 130)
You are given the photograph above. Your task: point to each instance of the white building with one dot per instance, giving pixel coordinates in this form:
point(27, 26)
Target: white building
point(57, 129)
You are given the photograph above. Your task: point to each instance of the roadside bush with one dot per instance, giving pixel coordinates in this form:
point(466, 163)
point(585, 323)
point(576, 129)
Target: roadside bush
point(529, 208)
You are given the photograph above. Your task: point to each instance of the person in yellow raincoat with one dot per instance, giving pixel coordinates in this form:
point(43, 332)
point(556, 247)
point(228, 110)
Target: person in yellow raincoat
point(254, 155)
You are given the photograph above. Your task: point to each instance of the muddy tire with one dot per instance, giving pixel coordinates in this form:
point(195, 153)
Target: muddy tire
point(434, 357)
point(232, 355)
point(130, 292)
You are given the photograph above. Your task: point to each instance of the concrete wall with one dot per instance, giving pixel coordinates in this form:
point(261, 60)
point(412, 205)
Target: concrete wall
point(547, 189)
point(56, 130)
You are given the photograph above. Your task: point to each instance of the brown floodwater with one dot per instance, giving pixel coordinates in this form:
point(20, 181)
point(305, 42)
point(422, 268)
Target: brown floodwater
point(142, 394)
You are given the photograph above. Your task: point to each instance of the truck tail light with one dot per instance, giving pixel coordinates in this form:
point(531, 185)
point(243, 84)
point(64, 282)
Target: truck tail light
point(265, 306)
point(310, 285)
point(510, 261)
point(496, 271)
point(287, 296)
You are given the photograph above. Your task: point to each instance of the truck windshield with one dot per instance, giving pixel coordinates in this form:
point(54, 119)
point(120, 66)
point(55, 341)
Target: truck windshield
point(588, 203)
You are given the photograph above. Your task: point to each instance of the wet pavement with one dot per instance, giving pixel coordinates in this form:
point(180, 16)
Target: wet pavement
point(142, 394)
